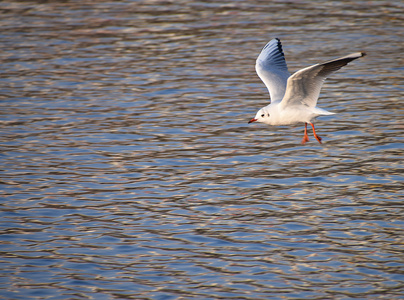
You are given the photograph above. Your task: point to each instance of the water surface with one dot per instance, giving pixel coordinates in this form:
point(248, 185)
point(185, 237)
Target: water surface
point(129, 170)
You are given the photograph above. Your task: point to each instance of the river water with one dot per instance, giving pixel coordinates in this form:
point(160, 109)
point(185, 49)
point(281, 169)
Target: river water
point(129, 170)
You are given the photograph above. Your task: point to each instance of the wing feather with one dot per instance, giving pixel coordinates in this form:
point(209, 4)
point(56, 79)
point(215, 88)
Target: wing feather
point(304, 86)
point(271, 67)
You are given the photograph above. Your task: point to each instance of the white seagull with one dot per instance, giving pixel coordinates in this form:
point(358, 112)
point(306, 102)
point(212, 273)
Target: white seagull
point(293, 98)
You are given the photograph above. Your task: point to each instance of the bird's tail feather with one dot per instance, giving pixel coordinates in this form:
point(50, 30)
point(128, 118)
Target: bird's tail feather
point(322, 112)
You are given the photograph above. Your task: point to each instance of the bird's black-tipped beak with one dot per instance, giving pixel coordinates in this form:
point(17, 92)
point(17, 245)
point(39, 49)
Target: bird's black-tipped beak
point(252, 120)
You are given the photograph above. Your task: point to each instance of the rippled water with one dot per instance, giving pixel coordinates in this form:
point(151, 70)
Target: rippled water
point(129, 170)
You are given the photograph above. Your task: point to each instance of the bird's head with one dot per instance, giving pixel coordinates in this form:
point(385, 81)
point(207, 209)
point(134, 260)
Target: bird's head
point(261, 116)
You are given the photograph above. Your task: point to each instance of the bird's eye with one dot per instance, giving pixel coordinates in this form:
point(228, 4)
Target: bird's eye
point(263, 115)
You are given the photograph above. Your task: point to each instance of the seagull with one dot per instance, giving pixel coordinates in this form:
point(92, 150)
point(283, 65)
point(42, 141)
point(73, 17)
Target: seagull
point(293, 97)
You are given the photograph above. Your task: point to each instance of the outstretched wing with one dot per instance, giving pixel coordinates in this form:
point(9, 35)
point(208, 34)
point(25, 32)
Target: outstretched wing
point(304, 86)
point(272, 69)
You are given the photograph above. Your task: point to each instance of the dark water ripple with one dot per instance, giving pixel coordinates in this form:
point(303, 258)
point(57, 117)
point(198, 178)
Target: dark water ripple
point(129, 172)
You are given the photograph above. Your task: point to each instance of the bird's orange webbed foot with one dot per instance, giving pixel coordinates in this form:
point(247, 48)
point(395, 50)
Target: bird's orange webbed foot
point(318, 138)
point(315, 134)
point(305, 137)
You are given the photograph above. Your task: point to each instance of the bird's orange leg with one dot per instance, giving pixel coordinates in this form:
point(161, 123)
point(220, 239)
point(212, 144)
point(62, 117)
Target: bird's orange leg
point(305, 137)
point(315, 134)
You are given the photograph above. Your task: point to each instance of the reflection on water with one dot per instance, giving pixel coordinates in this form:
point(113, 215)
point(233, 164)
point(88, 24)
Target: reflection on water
point(129, 170)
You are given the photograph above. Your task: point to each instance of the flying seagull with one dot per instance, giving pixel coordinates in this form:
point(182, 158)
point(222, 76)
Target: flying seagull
point(293, 97)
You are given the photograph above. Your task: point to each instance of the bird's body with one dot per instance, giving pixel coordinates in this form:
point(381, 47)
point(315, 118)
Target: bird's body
point(293, 97)
point(279, 115)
